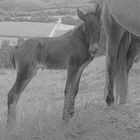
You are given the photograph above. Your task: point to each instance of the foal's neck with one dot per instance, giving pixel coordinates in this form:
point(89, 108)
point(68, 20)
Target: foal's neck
point(79, 32)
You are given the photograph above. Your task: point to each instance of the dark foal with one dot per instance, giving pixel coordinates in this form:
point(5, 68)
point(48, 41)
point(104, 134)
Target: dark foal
point(70, 51)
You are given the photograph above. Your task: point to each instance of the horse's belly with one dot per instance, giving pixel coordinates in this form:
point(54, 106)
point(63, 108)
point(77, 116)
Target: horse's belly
point(55, 63)
point(56, 67)
point(126, 13)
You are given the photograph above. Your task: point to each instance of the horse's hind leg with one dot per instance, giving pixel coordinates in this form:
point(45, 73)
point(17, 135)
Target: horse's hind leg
point(133, 51)
point(111, 59)
point(72, 87)
point(113, 34)
point(121, 78)
point(24, 75)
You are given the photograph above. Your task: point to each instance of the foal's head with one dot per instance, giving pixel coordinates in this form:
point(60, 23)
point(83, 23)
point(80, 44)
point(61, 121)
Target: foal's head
point(91, 27)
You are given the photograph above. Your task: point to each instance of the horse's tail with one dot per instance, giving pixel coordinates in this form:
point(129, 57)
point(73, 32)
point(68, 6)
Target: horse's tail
point(12, 56)
point(121, 68)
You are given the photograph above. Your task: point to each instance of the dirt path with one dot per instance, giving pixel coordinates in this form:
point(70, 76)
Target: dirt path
point(40, 107)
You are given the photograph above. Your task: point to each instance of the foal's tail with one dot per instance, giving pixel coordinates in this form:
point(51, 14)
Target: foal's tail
point(12, 56)
point(121, 69)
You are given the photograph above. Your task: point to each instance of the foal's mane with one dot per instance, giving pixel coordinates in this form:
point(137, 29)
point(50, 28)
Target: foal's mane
point(75, 29)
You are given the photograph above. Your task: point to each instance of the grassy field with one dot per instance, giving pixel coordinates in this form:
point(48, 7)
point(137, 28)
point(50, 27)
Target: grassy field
point(25, 29)
point(41, 104)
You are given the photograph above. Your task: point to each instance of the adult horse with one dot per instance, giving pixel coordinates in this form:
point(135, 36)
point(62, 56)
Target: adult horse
point(70, 51)
point(120, 19)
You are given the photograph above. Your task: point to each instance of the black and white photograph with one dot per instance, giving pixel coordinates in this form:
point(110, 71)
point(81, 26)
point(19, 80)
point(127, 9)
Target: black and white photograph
point(69, 69)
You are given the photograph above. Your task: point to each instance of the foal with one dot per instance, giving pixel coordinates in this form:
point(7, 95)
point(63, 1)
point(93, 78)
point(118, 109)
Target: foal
point(70, 51)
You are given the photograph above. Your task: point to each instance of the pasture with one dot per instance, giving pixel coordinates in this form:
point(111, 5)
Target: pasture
point(25, 29)
point(40, 107)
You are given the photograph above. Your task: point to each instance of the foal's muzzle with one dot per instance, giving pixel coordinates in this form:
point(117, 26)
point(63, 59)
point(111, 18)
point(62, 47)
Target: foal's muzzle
point(93, 49)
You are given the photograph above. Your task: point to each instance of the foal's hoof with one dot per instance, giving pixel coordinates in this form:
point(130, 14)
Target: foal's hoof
point(66, 117)
point(64, 122)
point(10, 126)
point(109, 100)
point(11, 123)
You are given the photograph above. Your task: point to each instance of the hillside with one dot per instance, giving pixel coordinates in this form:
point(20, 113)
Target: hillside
point(40, 10)
point(31, 5)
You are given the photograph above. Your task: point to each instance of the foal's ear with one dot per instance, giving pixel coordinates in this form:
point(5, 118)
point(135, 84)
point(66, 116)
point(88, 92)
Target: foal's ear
point(81, 14)
point(98, 11)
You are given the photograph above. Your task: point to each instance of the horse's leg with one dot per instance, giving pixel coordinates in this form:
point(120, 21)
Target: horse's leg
point(111, 59)
point(133, 51)
point(71, 92)
point(121, 78)
point(24, 75)
point(113, 34)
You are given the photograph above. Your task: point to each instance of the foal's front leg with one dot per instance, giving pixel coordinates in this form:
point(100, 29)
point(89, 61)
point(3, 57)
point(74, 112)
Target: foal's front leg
point(67, 111)
point(71, 89)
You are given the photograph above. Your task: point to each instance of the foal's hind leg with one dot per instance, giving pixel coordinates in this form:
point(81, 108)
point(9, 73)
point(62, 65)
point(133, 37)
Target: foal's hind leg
point(72, 87)
point(24, 75)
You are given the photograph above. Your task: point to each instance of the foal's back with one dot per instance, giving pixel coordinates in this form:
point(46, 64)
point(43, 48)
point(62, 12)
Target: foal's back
point(53, 52)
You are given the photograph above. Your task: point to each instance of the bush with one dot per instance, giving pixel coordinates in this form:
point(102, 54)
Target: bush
point(6, 17)
point(20, 19)
point(1, 18)
point(61, 12)
point(43, 18)
point(4, 55)
point(21, 5)
point(71, 20)
point(21, 13)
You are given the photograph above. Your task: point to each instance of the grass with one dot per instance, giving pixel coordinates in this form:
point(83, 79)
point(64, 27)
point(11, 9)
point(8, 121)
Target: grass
point(25, 29)
point(41, 104)
point(40, 107)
